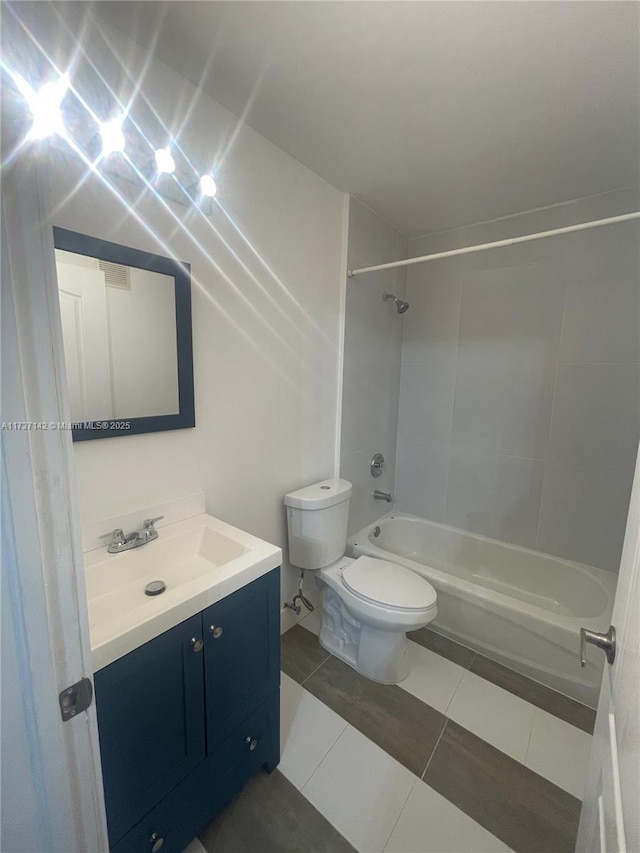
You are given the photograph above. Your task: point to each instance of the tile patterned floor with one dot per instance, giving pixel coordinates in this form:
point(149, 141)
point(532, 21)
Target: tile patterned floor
point(465, 756)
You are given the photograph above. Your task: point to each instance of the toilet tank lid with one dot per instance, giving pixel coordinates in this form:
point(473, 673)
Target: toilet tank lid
point(320, 495)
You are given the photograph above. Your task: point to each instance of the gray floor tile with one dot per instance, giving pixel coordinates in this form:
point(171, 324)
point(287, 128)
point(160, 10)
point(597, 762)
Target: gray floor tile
point(270, 815)
point(443, 646)
point(525, 811)
point(301, 653)
point(402, 725)
point(537, 694)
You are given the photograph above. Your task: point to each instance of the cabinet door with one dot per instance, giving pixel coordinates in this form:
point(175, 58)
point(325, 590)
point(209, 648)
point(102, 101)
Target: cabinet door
point(242, 654)
point(198, 798)
point(150, 707)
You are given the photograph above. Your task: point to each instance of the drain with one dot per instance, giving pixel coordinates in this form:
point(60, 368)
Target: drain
point(155, 588)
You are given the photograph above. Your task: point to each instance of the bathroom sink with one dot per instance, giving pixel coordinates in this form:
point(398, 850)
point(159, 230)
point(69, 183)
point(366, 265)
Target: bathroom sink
point(200, 560)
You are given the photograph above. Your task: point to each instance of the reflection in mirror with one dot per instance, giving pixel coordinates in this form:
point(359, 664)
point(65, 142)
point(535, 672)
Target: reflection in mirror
point(126, 328)
point(119, 331)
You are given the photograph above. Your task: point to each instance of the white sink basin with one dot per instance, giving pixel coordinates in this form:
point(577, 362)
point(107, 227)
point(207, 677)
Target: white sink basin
point(201, 560)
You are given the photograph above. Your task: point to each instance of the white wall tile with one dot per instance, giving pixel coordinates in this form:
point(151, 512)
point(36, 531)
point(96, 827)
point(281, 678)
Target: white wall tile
point(623, 200)
point(442, 241)
point(596, 415)
point(583, 514)
point(529, 222)
point(509, 331)
point(308, 730)
point(430, 333)
point(601, 320)
point(370, 406)
point(373, 330)
point(422, 472)
point(364, 510)
point(498, 496)
point(431, 824)
point(559, 752)
point(426, 402)
point(512, 321)
point(494, 714)
point(371, 238)
point(360, 790)
point(372, 356)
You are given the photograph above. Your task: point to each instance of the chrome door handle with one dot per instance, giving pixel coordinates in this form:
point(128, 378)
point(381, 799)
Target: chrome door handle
point(606, 642)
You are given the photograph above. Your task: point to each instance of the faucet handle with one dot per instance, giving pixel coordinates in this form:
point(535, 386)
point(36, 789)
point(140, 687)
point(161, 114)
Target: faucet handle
point(115, 537)
point(149, 523)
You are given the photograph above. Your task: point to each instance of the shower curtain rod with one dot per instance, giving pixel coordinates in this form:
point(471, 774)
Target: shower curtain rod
point(497, 243)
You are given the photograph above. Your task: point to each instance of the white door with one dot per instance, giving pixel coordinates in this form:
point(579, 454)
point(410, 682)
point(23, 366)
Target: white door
point(83, 308)
point(51, 788)
point(610, 819)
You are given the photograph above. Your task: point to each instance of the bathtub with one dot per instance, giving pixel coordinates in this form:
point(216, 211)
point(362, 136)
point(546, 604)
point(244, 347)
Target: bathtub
point(519, 607)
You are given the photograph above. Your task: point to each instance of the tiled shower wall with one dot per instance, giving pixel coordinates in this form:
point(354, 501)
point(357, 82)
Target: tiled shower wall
point(519, 409)
point(372, 355)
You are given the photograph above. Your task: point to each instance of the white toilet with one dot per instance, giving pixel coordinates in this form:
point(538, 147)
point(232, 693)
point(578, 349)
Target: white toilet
point(368, 605)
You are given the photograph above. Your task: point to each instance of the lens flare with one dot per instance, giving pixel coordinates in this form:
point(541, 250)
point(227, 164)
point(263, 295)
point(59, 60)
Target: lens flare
point(208, 186)
point(164, 161)
point(113, 140)
point(45, 106)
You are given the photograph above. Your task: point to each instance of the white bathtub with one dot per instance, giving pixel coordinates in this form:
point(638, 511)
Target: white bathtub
point(517, 606)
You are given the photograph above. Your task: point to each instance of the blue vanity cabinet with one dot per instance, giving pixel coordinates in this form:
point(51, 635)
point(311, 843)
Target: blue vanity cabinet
point(151, 723)
point(186, 719)
point(242, 655)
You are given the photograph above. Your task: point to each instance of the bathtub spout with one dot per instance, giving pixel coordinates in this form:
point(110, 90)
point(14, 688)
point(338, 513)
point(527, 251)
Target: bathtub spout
point(383, 496)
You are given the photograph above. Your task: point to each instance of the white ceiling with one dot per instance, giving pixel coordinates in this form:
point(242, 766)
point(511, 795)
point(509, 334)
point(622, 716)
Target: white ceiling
point(436, 114)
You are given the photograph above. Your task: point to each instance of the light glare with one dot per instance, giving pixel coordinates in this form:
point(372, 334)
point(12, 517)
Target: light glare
point(164, 161)
point(45, 106)
point(208, 186)
point(112, 137)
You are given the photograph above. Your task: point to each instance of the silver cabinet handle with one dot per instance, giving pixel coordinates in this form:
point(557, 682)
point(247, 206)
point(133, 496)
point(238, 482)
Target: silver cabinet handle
point(156, 841)
point(251, 742)
point(196, 644)
point(606, 642)
point(216, 630)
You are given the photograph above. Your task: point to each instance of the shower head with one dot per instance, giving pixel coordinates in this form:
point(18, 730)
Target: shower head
point(401, 306)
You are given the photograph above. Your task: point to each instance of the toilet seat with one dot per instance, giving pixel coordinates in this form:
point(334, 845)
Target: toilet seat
point(389, 584)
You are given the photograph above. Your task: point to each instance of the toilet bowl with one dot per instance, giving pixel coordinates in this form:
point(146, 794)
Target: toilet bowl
point(368, 605)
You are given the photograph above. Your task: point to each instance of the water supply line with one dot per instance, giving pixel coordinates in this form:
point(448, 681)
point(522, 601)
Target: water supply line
point(498, 244)
point(293, 604)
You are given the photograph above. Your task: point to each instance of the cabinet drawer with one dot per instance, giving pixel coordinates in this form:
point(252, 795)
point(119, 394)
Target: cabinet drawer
point(254, 743)
point(194, 803)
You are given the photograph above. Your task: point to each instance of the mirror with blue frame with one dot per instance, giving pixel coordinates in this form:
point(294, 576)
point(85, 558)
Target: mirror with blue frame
point(126, 328)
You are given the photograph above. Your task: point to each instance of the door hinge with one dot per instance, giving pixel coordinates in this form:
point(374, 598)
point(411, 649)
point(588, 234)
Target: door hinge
point(75, 698)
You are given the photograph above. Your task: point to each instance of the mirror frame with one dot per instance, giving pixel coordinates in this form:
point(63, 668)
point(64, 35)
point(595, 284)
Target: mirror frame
point(82, 244)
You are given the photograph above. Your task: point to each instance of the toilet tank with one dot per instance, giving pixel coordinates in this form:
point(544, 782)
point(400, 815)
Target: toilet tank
point(317, 518)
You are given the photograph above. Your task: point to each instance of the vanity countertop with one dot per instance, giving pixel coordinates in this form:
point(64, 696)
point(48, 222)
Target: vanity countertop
point(200, 559)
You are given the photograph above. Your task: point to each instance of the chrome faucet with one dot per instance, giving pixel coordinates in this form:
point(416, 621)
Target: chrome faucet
point(119, 542)
point(382, 496)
